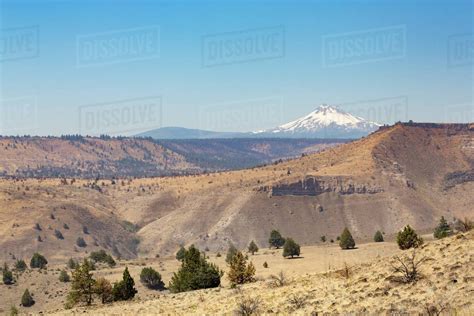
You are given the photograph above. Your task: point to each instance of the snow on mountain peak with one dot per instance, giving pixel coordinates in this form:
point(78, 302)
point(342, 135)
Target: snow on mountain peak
point(327, 120)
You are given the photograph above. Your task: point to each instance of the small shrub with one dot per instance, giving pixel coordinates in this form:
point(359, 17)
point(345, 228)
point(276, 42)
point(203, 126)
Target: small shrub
point(323, 238)
point(124, 290)
point(408, 268)
point(38, 261)
point(276, 240)
point(297, 301)
point(80, 242)
point(265, 265)
point(38, 227)
point(13, 311)
point(278, 280)
point(65, 226)
point(85, 230)
point(20, 265)
point(150, 278)
point(346, 241)
point(408, 238)
point(248, 306)
point(442, 230)
point(58, 234)
point(378, 237)
point(218, 255)
point(64, 277)
point(26, 299)
point(291, 248)
point(7, 275)
point(463, 225)
point(253, 248)
point(239, 271)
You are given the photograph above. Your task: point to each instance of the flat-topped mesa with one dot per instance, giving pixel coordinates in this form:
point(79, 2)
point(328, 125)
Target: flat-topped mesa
point(313, 186)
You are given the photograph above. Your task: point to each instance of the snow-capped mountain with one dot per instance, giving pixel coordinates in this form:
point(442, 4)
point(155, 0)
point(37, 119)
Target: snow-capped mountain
point(325, 122)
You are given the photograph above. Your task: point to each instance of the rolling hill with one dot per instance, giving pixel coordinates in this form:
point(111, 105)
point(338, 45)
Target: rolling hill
point(404, 174)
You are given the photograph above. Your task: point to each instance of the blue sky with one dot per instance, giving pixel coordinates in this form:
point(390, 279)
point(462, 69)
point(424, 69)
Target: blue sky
point(385, 60)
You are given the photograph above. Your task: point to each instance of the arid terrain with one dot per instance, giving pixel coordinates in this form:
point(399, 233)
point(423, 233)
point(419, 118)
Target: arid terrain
point(403, 174)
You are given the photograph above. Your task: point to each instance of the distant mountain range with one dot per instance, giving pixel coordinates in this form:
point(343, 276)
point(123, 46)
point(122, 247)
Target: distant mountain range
point(325, 122)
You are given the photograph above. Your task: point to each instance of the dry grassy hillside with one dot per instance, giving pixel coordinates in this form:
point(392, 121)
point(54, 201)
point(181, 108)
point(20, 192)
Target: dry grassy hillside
point(445, 286)
point(406, 174)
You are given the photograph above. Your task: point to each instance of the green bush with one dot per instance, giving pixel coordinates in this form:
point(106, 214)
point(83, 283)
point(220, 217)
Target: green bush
point(276, 240)
point(195, 273)
point(378, 237)
point(80, 242)
point(150, 278)
point(38, 261)
point(26, 299)
point(58, 234)
point(346, 241)
point(7, 275)
point(291, 248)
point(442, 230)
point(125, 289)
point(239, 271)
point(408, 238)
point(102, 256)
point(253, 248)
point(181, 252)
point(265, 265)
point(323, 238)
point(64, 277)
point(20, 265)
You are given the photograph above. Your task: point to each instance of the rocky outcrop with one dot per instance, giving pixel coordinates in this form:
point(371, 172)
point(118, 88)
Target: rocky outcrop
point(313, 186)
point(454, 178)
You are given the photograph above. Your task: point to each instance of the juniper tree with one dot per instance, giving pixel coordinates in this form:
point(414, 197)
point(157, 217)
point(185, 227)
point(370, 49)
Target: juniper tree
point(291, 248)
point(26, 299)
point(408, 238)
point(276, 240)
point(150, 278)
point(253, 248)
point(378, 237)
point(124, 290)
point(195, 273)
point(82, 285)
point(346, 241)
point(38, 261)
point(239, 271)
point(443, 229)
